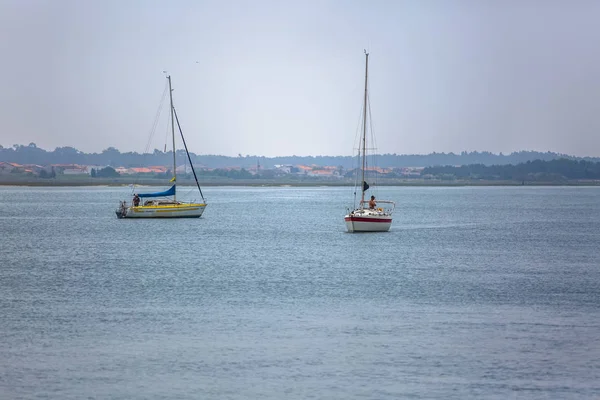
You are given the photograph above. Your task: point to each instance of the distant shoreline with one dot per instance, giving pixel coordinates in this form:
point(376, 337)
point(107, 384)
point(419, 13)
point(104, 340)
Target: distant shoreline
point(278, 183)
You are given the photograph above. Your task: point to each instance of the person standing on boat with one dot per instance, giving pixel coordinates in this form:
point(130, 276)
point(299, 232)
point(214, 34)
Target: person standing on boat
point(372, 203)
point(136, 200)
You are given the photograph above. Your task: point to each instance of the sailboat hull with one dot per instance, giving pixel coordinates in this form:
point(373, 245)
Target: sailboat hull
point(372, 219)
point(367, 222)
point(182, 210)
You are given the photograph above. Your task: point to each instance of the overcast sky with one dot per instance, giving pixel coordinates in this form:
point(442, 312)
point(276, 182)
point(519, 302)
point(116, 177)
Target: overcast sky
point(286, 77)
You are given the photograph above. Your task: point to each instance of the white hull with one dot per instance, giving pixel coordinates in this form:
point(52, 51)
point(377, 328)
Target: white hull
point(182, 210)
point(368, 221)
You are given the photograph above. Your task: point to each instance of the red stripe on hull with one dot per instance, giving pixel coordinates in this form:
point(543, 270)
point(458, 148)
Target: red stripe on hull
point(360, 219)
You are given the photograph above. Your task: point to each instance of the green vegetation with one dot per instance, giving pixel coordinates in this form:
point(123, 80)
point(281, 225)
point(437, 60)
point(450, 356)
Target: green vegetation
point(108, 172)
point(31, 166)
point(232, 174)
point(46, 175)
point(560, 170)
point(31, 154)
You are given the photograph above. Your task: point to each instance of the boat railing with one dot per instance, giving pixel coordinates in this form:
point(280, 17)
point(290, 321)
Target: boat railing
point(390, 209)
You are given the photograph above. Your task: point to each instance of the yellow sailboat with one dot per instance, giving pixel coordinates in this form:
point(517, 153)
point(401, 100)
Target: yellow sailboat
point(165, 204)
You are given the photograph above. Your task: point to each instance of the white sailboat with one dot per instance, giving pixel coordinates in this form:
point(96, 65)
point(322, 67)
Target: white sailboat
point(165, 204)
point(374, 215)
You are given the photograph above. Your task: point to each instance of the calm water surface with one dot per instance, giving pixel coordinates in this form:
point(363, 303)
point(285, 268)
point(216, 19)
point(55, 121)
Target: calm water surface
point(474, 293)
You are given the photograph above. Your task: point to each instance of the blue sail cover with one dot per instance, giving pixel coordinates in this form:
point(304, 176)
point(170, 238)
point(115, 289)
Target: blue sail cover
point(170, 192)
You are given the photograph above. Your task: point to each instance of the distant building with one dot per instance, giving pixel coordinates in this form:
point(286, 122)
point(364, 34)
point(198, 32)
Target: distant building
point(123, 170)
point(71, 169)
point(304, 169)
point(76, 171)
point(325, 172)
point(8, 168)
point(159, 169)
point(285, 168)
point(140, 170)
point(411, 171)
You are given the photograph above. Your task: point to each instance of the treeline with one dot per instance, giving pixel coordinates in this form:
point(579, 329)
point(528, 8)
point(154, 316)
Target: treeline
point(537, 170)
point(31, 154)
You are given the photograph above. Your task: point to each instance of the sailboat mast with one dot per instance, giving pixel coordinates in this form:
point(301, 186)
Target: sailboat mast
point(364, 133)
point(173, 133)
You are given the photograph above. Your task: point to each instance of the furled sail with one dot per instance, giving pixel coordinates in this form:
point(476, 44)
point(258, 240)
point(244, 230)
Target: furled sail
point(170, 192)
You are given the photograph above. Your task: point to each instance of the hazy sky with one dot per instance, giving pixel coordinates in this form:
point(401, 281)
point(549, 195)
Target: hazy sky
point(286, 77)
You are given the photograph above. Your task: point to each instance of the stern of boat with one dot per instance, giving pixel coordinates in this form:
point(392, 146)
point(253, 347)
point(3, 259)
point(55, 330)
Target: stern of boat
point(121, 211)
point(367, 220)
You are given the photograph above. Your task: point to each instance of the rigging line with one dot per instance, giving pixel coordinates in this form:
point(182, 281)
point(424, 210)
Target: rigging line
point(156, 118)
point(358, 130)
point(373, 140)
point(151, 134)
point(374, 143)
point(356, 170)
point(357, 140)
point(167, 130)
point(188, 153)
point(356, 175)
